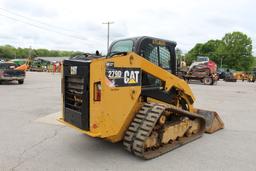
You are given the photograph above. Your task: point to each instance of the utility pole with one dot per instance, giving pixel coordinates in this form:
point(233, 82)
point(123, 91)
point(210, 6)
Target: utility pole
point(221, 59)
point(108, 23)
point(29, 52)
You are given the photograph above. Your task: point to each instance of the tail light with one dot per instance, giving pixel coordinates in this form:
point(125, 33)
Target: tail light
point(97, 91)
point(1, 74)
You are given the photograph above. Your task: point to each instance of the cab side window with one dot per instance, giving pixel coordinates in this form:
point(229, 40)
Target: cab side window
point(164, 56)
point(159, 55)
point(151, 53)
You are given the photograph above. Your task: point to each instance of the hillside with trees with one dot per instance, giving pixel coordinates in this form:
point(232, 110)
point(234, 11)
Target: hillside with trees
point(10, 52)
point(233, 51)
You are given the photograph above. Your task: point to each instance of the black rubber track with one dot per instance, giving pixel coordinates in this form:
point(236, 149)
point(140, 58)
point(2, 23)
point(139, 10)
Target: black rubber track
point(143, 124)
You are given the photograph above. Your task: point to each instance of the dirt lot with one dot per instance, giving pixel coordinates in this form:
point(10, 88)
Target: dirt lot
point(30, 139)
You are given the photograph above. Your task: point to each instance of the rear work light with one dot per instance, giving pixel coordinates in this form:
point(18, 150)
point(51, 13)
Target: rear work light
point(97, 91)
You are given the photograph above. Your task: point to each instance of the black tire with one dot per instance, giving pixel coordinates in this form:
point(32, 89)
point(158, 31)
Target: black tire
point(20, 81)
point(208, 81)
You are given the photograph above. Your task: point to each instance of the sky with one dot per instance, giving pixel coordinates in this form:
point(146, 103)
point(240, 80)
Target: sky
point(78, 24)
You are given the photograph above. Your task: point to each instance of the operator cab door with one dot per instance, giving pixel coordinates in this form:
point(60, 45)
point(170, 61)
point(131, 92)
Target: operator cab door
point(160, 53)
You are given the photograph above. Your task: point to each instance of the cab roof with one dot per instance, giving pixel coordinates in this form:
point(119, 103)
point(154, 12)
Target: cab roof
point(137, 41)
point(140, 38)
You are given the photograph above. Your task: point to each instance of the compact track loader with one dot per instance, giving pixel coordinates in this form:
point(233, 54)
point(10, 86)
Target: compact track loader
point(203, 69)
point(133, 95)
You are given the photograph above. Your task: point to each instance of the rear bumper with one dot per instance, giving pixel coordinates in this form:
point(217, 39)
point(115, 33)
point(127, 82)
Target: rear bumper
point(11, 78)
point(78, 129)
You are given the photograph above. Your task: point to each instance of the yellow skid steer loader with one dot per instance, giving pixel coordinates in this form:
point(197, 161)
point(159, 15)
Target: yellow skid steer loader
point(133, 95)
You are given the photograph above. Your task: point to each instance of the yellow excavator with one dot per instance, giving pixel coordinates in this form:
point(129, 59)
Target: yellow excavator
point(133, 95)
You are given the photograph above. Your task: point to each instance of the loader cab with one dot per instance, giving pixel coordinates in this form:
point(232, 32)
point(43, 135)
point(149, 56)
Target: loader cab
point(158, 51)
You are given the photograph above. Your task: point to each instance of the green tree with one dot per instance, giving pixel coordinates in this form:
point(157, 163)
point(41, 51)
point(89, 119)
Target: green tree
point(76, 53)
point(209, 49)
point(193, 53)
point(233, 51)
point(42, 52)
point(237, 51)
point(21, 53)
point(7, 52)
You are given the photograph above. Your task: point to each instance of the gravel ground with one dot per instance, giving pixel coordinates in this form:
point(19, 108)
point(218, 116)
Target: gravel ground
point(30, 139)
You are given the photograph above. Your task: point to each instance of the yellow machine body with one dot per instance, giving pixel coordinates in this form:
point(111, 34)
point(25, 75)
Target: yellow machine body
point(110, 121)
point(112, 98)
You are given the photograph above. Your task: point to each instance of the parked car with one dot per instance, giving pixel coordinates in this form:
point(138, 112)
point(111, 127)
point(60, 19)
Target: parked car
point(230, 76)
point(9, 73)
point(221, 73)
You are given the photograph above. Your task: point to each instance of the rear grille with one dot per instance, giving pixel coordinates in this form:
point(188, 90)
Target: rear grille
point(76, 93)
